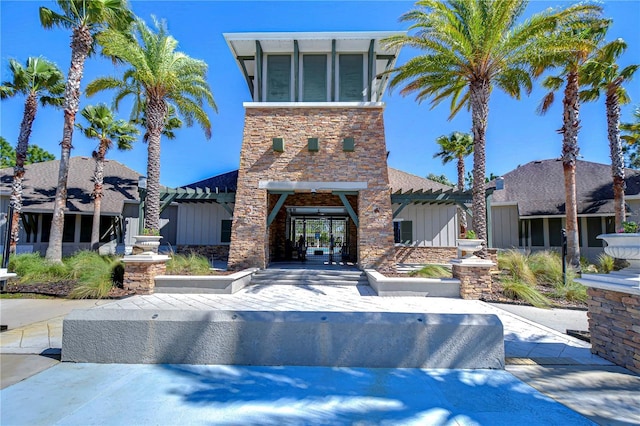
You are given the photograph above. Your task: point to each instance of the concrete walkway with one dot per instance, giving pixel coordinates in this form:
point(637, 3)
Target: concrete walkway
point(558, 366)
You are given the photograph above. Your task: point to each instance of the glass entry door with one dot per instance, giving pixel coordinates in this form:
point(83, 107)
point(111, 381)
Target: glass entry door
point(320, 238)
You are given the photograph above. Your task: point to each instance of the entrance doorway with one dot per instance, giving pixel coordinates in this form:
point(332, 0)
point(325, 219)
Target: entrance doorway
point(319, 234)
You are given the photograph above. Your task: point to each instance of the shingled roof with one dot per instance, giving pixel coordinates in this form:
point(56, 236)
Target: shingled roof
point(399, 181)
point(538, 188)
point(120, 184)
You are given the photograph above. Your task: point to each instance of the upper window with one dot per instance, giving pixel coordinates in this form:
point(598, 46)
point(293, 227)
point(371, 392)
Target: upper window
point(278, 78)
point(351, 75)
point(314, 84)
point(403, 232)
point(594, 228)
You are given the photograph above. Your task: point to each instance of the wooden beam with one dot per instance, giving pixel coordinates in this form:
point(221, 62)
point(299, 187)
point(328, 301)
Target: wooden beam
point(245, 72)
point(259, 69)
point(277, 208)
point(347, 205)
point(402, 206)
point(370, 69)
point(228, 208)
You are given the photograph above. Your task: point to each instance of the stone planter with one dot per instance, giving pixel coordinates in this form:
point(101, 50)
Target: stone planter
point(468, 246)
point(148, 244)
point(624, 246)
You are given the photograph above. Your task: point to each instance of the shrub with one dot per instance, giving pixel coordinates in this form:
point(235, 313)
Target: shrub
point(522, 291)
point(515, 263)
point(606, 263)
point(95, 274)
point(188, 264)
point(573, 291)
point(31, 268)
point(547, 267)
point(432, 271)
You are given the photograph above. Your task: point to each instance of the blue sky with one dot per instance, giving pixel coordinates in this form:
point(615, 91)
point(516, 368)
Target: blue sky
point(516, 135)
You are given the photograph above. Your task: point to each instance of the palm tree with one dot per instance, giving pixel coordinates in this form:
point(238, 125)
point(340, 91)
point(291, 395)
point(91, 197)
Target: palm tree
point(603, 75)
point(85, 19)
point(103, 126)
point(471, 47)
point(456, 147)
point(631, 139)
point(40, 79)
point(159, 77)
point(587, 33)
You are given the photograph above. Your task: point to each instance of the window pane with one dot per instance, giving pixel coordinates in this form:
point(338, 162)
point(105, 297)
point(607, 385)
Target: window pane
point(314, 71)
point(46, 227)
point(225, 231)
point(523, 232)
point(407, 231)
point(69, 232)
point(610, 225)
point(278, 78)
point(86, 222)
point(537, 233)
point(351, 74)
point(594, 228)
point(555, 232)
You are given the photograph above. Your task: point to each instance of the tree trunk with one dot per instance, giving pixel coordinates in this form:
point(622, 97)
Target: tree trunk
point(30, 109)
point(81, 41)
point(569, 130)
point(479, 94)
point(617, 156)
point(462, 215)
point(156, 113)
point(98, 182)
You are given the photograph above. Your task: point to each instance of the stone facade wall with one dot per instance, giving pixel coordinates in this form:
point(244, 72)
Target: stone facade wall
point(475, 281)
point(614, 324)
point(140, 277)
point(220, 252)
point(250, 244)
point(425, 254)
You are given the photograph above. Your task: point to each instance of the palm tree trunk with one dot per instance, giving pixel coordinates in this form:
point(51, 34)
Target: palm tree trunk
point(570, 127)
point(156, 113)
point(81, 42)
point(479, 95)
point(98, 181)
point(462, 215)
point(30, 109)
point(617, 157)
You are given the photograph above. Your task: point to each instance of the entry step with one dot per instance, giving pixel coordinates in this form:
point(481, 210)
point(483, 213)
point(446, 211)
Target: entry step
point(309, 277)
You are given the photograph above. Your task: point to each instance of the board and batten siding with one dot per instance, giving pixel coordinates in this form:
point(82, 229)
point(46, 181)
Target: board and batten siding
point(200, 224)
point(433, 225)
point(504, 223)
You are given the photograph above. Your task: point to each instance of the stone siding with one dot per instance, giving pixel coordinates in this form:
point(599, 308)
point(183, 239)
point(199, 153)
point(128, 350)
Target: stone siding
point(251, 243)
point(614, 324)
point(140, 277)
point(475, 281)
point(430, 254)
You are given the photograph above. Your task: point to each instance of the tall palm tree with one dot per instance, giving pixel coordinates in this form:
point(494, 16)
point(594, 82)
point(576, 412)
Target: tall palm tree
point(603, 75)
point(159, 77)
point(40, 79)
point(456, 147)
point(587, 33)
point(85, 19)
point(471, 47)
point(631, 139)
point(103, 126)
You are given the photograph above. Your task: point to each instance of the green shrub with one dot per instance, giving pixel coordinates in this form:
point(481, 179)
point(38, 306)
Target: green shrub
point(547, 267)
point(32, 268)
point(515, 263)
point(573, 291)
point(432, 271)
point(188, 264)
point(94, 273)
point(606, 263)
point(522, 291)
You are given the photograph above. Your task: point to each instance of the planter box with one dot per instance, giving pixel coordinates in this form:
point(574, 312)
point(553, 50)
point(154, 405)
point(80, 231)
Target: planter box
point(219, 284)
point(410, 286)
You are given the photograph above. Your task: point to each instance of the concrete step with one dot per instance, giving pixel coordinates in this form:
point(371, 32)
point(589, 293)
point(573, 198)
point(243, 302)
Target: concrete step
point(309, 277)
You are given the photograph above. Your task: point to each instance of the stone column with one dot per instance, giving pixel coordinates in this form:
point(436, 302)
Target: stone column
point(140, 271)
point(614, 317)
point(474, 275)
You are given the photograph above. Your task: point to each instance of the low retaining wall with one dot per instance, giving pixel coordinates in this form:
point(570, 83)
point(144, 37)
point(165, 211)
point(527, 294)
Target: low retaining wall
point(219, 284)
point(220, 252)
point(329, 339)
point(409, 286)
point(429, 255)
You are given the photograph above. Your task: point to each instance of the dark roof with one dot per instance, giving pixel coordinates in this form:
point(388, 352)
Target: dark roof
point(39, 185)
point(398, 180)
point(538, 188)
point(226, 182)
